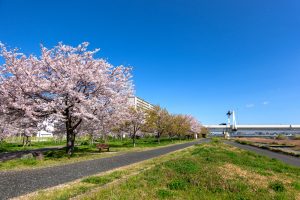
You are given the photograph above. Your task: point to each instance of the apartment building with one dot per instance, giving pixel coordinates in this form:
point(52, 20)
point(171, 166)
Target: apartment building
point(140, 103)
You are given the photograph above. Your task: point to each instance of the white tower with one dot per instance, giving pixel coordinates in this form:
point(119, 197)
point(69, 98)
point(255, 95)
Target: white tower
point(233, 121)
point(226, 133)
point(229, 113)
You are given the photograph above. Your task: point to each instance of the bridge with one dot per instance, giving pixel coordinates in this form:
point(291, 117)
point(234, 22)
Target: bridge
point(232, 127)
point(253, 127)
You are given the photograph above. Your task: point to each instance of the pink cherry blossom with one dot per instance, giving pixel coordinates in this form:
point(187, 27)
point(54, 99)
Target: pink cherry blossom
point(65, 83)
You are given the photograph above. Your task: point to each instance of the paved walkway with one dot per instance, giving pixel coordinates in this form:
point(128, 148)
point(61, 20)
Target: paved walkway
point(13, 184)
point(291, 160)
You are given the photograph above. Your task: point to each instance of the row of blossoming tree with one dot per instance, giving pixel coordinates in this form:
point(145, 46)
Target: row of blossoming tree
point(160, 122)
point(79, 93)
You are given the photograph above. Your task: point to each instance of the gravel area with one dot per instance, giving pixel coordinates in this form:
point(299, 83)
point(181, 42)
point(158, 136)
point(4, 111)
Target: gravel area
point(16, 183)
point(291, 160)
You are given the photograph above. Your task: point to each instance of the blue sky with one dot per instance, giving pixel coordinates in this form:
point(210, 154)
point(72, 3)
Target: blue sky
point(194, 57)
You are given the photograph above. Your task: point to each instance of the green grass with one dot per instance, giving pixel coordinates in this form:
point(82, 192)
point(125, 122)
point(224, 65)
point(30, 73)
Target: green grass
point(66, 194)
point(102, 180)
point(87, 185)
point(52, 157)
point(81, 187)
point(164, 193)
point(143, 142)
point(296, 185)
point(277, 186)
point(16, 145)
point(209, 171)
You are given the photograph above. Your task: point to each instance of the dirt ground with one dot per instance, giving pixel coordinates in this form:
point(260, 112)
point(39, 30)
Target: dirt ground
point(273, 141)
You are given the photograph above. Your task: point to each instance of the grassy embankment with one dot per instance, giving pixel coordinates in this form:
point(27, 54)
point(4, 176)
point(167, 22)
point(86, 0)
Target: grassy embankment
point(206, 171)
point(82, 152)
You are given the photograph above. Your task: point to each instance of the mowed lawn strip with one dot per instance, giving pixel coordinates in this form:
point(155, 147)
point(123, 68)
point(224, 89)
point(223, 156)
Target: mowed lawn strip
point(205, 171)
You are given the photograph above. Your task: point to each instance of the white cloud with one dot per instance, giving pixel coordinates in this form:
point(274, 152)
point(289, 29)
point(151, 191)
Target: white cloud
point(265, 103)
point(251, 105)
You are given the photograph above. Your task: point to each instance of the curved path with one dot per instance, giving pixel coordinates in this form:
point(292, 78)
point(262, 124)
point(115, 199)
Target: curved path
point(16, 183)
point(291, 160)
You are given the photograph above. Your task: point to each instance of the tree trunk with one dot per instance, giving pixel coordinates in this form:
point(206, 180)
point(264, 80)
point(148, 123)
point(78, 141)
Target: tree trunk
point(23, 141)
point(70, 142)
point(71, 132)
point(133, 140)
point(105, 138)
point(158, 138)
point(26, 141)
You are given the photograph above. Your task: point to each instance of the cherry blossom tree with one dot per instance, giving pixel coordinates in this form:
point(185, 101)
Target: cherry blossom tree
point(66, 83)
point(5, 130)
point(23, 127)
point(135, 122)
point(195, 125)
point(112, 117)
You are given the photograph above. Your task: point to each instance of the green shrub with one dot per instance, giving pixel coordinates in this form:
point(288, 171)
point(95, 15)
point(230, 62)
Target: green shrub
point(277, 186)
